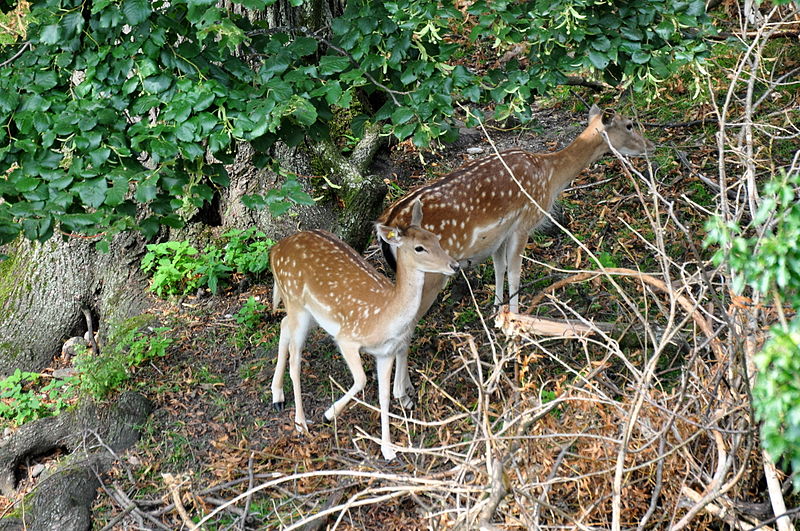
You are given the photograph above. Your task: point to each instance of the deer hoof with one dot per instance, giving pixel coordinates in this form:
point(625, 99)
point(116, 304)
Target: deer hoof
point(388, 453)
point(407, 402)
point(278, 406)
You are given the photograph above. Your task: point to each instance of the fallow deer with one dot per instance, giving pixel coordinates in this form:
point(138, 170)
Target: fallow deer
point(322, 280)
point(479, 210)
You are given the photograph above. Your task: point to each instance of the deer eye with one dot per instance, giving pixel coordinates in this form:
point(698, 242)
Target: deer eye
point(420, 249)
point(629, 126)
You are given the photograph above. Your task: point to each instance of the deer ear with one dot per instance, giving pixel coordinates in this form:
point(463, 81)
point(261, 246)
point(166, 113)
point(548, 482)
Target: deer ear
point(416, 214)
point(388, 234)
point(594, 111)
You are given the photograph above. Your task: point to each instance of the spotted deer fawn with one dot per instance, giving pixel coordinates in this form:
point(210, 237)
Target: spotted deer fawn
point(324, 281)
point(479, 210)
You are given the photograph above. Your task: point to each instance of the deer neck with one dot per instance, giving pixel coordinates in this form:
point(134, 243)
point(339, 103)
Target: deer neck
point(581, 153)
point(406, 294)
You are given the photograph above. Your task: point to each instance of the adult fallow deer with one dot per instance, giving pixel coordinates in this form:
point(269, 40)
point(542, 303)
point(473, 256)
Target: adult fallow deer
point(480, 210)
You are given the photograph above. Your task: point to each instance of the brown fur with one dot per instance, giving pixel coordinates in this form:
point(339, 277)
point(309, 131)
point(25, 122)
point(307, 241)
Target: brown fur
point(479, 210)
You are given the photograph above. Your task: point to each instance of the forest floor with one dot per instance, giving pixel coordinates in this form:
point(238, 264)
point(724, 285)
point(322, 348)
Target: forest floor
point(215, 429)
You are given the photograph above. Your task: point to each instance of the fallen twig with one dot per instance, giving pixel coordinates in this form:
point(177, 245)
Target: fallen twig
point(174, 489)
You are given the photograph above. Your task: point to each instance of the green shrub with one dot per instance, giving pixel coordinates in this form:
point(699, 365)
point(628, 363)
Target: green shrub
point(769, 263)
point(249, 318)
point(128, 347)
point(174, 268)
point(178, 268)
point(99, 375)
point(247, 251)
point(23, 398)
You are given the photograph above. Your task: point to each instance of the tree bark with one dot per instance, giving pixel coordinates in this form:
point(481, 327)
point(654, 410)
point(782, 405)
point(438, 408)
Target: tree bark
point(43, 288)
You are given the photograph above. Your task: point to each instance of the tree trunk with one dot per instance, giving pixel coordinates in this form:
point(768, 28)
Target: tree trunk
point(360, 195)
point(361, 192)
point(93, 436)
point(44, 287)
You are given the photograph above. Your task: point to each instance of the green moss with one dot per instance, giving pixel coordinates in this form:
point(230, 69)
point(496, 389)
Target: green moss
point(9, 351)
point(10, 274)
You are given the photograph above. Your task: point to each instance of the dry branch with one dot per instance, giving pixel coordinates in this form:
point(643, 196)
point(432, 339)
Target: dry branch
point(723, 513)
point(174, 489)
point(691, 308)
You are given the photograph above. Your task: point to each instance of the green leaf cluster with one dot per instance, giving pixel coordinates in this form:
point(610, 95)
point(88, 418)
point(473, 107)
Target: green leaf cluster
point(628, 42)
point(250, 319)
point(279, 200)
point(111, 115)
point(23, 398)
point(770, 265)
point(247, 251)
point(130, 347)
point(179, 268)
point(776, 395)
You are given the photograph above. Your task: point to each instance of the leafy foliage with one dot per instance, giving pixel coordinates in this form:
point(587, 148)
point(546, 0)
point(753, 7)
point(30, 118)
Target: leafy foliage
point(178, 268)
point(100, 374)
point(247, 251)
point(250, 317)
point(128, 347)
point(112, 112)
point(770, 265)
point(173, 265)
point(638, 43)
point(23, 399)
point(115, 107)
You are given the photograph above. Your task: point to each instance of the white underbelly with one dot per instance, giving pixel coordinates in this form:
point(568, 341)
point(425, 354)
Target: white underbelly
point(388, 347)
point(486, 240)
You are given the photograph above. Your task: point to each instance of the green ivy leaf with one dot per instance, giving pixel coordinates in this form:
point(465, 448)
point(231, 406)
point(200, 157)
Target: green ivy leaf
point(402, 115)
point(146, 190)
point(136, 11)
point(598, 60)
point(254, 201)
point(27, 184)
point(99, 156)
point(303, 46)
point(305, 113)
point(149, 227)
point(640, 57)
point(50, 34)
point(331, 64)
point(157, 84)
point(93, 191)
point(279, 208)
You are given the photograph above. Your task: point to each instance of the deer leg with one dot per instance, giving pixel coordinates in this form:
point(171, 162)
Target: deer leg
point(298, 326)
point(280, 367)
point(403, 389)
point(383, 365)
point(515, 247)
point(350, 352)
point(499, 259)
